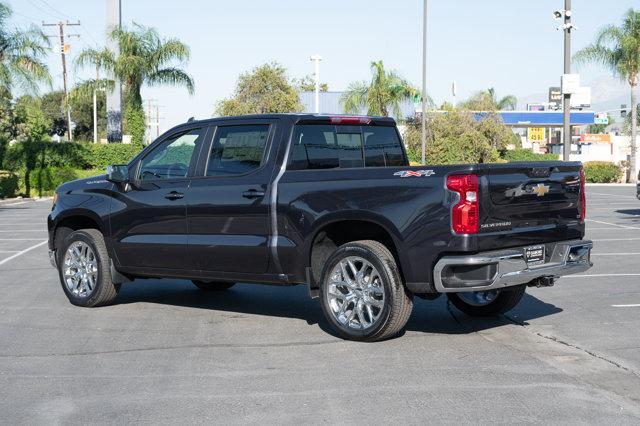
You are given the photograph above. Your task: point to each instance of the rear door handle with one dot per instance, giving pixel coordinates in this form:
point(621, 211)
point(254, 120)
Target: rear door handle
point(253, 193)
point(174, 195)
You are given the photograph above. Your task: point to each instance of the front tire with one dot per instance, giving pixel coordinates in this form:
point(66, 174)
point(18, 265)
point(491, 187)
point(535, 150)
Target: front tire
point(362, 294)
point(83, 268)
point(212, 286)
point(487, 303)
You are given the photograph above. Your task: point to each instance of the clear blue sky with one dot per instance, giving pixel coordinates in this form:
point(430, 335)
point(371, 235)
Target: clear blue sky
point(510, 45)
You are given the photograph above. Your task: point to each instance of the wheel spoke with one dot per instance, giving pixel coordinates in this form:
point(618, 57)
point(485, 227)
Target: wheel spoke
point(81, 269)
point(355, 294)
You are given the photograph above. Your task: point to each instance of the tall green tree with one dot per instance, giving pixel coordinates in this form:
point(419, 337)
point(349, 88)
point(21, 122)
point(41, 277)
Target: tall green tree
point(381, 96)
point(22, 55)
point(618, 48)
point(487, 100)
point(145, 58)
point(265, 89)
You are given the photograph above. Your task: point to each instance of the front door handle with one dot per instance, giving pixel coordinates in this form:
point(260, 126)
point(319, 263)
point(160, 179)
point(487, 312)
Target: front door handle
point(253, 193)
point(174, 195)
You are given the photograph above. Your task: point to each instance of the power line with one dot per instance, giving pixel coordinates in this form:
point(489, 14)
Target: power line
point(42, 10)
point(55, 10)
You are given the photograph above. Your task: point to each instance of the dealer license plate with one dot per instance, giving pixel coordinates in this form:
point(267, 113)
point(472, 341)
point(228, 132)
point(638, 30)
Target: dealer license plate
point(534, 255)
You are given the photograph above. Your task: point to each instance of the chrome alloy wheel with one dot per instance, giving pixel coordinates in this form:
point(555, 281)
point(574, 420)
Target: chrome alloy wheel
point(355, 293)
point(80, 269)
point(479, 298)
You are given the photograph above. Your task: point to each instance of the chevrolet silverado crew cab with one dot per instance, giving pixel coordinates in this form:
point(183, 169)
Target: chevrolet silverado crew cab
point(326, 201)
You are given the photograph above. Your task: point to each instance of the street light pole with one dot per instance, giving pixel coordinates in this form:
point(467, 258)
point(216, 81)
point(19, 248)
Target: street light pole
point(424, 81)
point(566, 118)
point(317, 58)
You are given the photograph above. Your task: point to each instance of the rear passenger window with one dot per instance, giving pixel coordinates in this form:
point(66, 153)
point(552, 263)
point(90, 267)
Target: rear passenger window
point(237, 149)
point(382, 147)
point(328, 147)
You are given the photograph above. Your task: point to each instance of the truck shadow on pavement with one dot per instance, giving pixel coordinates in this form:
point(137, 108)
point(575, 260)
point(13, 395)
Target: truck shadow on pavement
point(634, 213)
point(437, 316)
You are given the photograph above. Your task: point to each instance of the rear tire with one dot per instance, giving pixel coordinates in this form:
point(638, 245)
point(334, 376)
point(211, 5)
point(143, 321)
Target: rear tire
point(212, 286)
point(362, 294)
point(504, 301)
point(83, 268)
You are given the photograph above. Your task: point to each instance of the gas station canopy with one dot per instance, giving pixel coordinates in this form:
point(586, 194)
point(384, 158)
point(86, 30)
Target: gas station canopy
point(542, 118)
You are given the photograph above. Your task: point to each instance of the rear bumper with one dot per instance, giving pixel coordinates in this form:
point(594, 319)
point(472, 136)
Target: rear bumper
point(505, 268)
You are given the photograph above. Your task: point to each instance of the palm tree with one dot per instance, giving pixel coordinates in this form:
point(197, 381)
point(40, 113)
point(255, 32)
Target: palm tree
point(385, 93)
point(144, 58)
point(618, 48)
point(487, 100)
point(508, 102)
point(22, 56)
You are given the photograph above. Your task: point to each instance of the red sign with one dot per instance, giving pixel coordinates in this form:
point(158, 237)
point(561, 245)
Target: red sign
point(595, 138)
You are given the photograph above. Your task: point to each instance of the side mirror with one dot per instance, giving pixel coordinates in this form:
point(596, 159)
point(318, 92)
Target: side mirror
point(118, 173)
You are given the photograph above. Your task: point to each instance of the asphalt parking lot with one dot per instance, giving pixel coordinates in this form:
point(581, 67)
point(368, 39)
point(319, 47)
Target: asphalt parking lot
point(169, 353)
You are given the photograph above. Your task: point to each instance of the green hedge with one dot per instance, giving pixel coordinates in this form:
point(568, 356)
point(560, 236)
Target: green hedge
point(602, 172)
point(102, 155)
point(46, 180)
point(76, 155)
point(523, 154)
point(8, 184)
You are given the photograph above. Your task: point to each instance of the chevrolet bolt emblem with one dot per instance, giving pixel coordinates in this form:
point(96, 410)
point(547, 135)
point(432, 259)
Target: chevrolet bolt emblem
point(540, 189)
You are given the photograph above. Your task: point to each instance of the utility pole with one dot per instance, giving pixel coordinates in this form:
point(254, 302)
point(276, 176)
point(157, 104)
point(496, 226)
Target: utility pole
point(63, 51)
point(157, 121)
point(317, 58)
point(566, 106)
point(114, 97)
point(153, 118)
point(424, 81)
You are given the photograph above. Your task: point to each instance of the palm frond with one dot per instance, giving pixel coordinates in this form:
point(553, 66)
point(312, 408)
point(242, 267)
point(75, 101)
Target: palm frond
point(172, 77)
point(354, 98)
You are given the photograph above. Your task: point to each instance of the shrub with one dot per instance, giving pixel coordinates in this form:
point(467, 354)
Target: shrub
point(102, 155)
point(602, 172)
point(77, 155)
point(46, 180)
point(454, 137)
point(8, 184)
point(523, 154)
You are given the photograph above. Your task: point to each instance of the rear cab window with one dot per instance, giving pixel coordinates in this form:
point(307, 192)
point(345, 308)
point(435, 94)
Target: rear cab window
point(321, 146)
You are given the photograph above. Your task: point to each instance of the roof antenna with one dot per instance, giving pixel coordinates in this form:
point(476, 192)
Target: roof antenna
point(191, 119)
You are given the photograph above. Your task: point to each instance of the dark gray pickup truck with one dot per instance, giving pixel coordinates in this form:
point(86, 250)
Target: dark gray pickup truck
point(326, 201)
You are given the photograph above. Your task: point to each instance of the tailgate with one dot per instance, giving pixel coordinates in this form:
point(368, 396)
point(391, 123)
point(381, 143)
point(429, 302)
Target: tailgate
point(529, 197)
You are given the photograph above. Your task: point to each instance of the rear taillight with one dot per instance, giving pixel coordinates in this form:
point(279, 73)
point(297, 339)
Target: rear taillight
point(465, 215)
point(583, 198)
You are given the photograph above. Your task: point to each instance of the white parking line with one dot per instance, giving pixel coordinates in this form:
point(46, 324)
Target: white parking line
point(612, 224)
point(20, 253)
point(634, 305)
point(614, 254)
point(609, 195)
point(25, 230)
point(21, 239)
point(616, 239)
point(609, 229)
point(601, 275)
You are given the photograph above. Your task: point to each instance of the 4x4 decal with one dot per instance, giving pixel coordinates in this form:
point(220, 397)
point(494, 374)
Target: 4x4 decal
point(414, 173)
